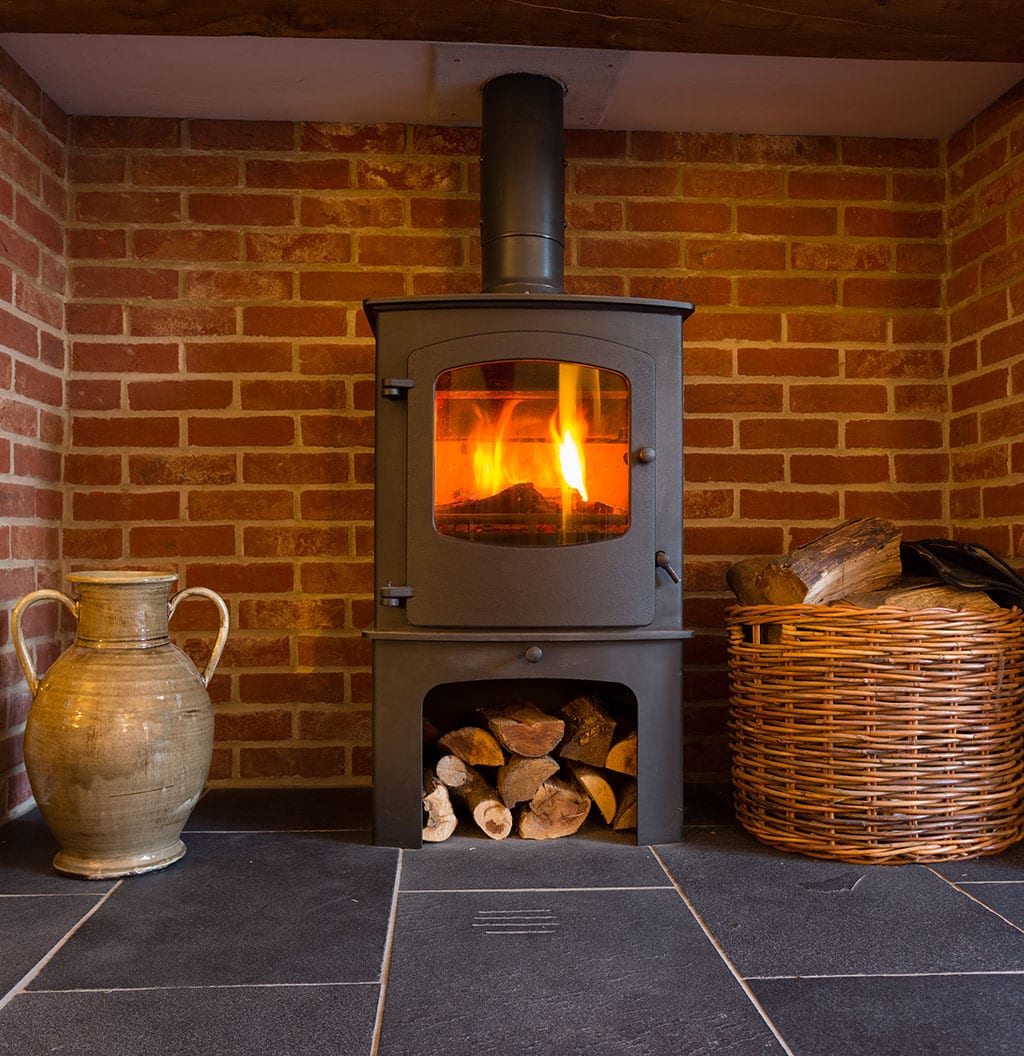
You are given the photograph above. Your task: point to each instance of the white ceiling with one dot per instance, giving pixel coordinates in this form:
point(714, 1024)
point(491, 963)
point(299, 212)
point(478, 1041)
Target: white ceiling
point(369, 81)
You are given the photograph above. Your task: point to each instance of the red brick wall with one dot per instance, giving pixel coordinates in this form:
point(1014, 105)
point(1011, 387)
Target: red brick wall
point(33, 195)
point(986, 309)
point(220, 389)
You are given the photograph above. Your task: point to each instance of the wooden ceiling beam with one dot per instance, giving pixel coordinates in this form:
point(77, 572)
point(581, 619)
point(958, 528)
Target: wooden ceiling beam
point(941, 30)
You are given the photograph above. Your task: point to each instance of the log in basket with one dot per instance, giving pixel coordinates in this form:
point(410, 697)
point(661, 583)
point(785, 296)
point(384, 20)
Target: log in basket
point(878, 735)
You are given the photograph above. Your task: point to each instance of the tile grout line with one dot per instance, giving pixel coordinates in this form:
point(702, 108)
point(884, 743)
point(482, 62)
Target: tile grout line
point(527, 890)
point(53, 951)
point(385, 968)
point(726, 959)
point(977, 901)
point(886, 975)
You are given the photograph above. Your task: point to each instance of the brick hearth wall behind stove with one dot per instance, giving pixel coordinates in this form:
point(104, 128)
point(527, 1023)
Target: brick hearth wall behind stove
point(215, 400)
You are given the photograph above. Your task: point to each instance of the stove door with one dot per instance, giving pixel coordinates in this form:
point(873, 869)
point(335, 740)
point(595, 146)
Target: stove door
point(531, 489)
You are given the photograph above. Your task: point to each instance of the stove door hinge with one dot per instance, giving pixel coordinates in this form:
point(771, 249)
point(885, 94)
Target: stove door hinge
point(395, 388)
point(393, 596)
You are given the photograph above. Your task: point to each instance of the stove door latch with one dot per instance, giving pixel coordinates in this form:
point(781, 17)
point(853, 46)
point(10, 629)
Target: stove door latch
point(393, 596)
point(395, 388)
point(662, 560)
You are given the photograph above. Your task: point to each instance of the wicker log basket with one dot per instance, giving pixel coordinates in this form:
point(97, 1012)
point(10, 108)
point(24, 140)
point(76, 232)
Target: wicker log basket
point(878, 735)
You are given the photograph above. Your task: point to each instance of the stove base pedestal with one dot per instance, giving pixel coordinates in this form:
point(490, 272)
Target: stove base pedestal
point(407, 665)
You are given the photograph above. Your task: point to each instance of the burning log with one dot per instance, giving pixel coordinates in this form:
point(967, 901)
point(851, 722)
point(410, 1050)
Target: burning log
point(588, 731)
point(474, 745)
point(597, 787)
point(441, 819)
point(524, 729)
point(558, 809)
point(490, 814)
point(514, 500)
point(519, 779)
point(622, 756)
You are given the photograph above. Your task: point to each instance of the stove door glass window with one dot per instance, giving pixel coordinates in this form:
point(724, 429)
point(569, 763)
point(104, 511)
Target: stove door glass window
point(531, 452)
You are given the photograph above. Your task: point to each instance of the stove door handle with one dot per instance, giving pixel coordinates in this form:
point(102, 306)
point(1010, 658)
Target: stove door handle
point(663, 561)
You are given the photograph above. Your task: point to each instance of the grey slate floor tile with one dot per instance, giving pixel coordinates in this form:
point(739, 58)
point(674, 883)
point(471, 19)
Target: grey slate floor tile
point(958, 1015)
point(26, 853)
point(296, 809)
point(784, 914)
point(606, 973)
point(245, 1021)
point(240, 908)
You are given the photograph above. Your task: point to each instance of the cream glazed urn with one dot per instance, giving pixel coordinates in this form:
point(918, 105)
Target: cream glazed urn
point(119, 735)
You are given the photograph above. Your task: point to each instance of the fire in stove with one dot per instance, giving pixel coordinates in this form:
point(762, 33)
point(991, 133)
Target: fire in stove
point(531, 453)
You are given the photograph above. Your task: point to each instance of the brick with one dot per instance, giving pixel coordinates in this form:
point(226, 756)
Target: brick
point(94, 318)
point(987, 463)
point(92, 470)
point(440, 139)
point(922, 258)
point(39, 224)
point(891, 153)
point(124, 282)
point(229, 209)
point(235, 285)
point(892, 293)
point(707, 397)
point(978, 241)
point(711, 362)
point(333, 651)
point(241, 432)
point(19, 251)
point(731, 539)
point(839, 469)
point(789, 434)
point(326, 762)
point(924, 468)
point(300, 614)
point(335, 725)
point(303, 394)
point(295, 541)
point(840, 256)
point(188, 245)
point(744, 468)
point(598, 215)
point(731, 183)
point(337, 577)
point(92, 544)
point(788, 505)
point(735, 255)
point(921, 399)
point(1005, 264)
point(266, 248)
point(335, 138)
point(625, 181)
point(97, 243)
point(791, 290)
point(85, 167)
point(836, 186)
point(273, 725)
point(408, 175)
point(183, 170)
point(335, 285)
point(38, 385)
point(985, 388)
point(120, 431)
point(128, 506)
point(705, 290)
point(123, 358)
point(182, 469)
point(786, 150)
point(1003, 501)
point(295, 468)
point(713, 147)
point(868, 222)
point(895, 504)
point(186, 321)
point(828, 328)
point(235, 578)
point(189, 540)
point(241, 357)
point(127, 207)
point(846, 398)
point(311, 174)
point(179, 394)
point(240, 135)
point(788, 361)
point(240, 505)
point(893, 434)
point(445, 213)
point(337, 431)
point(786, 220)
point(704, 504)
point(125, 132)
point(678, 216)
point(715, 433)
point(410, 250)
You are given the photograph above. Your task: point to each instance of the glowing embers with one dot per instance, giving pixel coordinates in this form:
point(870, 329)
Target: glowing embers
point(531, 453)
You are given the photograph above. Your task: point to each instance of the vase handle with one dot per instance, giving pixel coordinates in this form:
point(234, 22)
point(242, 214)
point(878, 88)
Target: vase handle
point(20, 648)
point(222, 632)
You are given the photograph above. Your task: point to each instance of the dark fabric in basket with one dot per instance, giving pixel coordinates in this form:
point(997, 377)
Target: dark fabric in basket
point(971, 566)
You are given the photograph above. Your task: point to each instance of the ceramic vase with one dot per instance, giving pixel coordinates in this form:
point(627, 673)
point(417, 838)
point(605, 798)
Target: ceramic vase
point(119, 735)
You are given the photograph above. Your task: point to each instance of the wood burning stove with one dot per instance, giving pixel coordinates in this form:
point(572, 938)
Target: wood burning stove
point(529, 484)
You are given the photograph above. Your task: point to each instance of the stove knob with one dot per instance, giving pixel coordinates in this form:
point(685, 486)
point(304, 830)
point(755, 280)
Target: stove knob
point(534, 654)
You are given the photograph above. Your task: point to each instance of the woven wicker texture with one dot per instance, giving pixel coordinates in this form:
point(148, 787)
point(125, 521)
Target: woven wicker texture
point(878, 735)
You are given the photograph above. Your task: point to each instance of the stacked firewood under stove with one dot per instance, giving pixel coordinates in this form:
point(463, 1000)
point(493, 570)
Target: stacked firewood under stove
point(516, 766)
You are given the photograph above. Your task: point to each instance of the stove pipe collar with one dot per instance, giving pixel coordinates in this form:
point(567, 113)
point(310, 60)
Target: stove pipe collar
point(522, 185)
